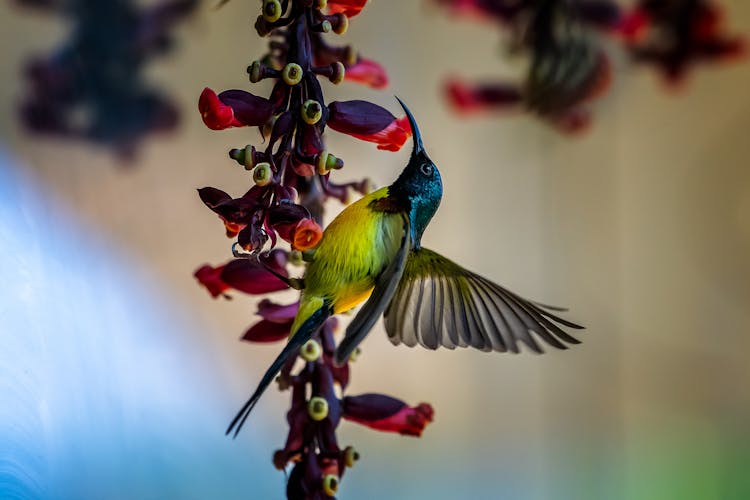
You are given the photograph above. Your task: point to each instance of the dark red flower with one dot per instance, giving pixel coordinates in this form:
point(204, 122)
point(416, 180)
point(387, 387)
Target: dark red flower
point(466, 97)
point(367, 72)
point(236, 213)
point(210, 277)
point(244, 275)
point(349, 8)
point(284, 219)
point(276, 323)
point(233, 108)
point(369, 122)
point(384, 413)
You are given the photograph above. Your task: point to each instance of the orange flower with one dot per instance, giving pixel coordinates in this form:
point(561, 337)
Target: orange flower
point(306, 235)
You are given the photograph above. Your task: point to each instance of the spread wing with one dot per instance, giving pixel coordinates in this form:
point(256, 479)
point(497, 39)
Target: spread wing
point(439, 303)
point(380, 298)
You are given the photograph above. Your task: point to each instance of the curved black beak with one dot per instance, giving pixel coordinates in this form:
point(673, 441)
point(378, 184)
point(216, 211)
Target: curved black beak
point(416, 135)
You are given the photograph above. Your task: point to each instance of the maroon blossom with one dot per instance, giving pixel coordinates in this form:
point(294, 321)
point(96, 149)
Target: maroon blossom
point(245, 276)
point(369, 122)
point(291, 181)
point(568, 70)
point(276, 323)
point(384, 413)
point(92, 87)
point(233, 108)
point(674, 35)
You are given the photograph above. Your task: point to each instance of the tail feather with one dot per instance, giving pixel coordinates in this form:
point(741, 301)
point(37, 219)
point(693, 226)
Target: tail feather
point(302, 335)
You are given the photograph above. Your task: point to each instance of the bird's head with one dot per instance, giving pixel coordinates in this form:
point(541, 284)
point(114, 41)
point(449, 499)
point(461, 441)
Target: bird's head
point(419, 188)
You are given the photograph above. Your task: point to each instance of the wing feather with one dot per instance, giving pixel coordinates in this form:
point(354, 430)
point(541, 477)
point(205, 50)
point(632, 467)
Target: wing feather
point(438, 303)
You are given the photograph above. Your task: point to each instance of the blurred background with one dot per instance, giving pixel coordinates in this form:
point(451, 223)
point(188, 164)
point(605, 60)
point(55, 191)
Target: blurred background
point(119, 374)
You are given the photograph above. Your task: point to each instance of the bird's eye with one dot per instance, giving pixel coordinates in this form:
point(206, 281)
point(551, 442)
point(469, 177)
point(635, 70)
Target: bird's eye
point(426, 169)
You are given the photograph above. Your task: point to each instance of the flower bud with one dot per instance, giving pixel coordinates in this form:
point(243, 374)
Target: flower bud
point(330, 484)
point(317, 408)
point(350, 456)
point(324, 27)
point(340, 23)
point(245, 156)
point(255, 71)
point(310, 351)
point(292, 74)
point(326, 162)
point(271, 10)
point(312, 111)
point(337, 73)
point(320, 4)
point(262, 27)
point(356, 353)
point(262, 174)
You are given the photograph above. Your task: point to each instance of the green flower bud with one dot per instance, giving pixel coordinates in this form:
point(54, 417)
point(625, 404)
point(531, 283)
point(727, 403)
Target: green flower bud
point(337, 73)
point(262, 174)
point(312, 111)
point(350, 456)
point(244, 156)
point(271, 10)
point(317, 408)
point(356, 353)
point(255, 72)
point(292, 74)
point(327, 162)
point(340, 23)
point(330, 484)
point(320, 4)
point(325, 26)
point(311, 350)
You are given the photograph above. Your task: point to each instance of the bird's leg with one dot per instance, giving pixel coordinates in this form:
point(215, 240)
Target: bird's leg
point(296, 283)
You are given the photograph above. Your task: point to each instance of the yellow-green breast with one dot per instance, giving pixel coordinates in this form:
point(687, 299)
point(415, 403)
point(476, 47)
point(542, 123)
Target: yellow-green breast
point(356, 247)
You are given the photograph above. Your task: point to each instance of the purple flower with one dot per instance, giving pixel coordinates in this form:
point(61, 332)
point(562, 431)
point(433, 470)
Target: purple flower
point(276, 323)
point(369, 122)
point(384, 413)
point(244, 276)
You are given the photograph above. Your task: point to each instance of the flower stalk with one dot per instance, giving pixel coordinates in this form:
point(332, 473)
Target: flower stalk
point(291, 182)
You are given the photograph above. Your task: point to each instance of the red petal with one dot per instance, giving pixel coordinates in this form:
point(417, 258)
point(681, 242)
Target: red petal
point(349, 8)
point(267, 331)
point(306, 235)
point(216, 115)
point(277, 313)
point(250, 278)
point(387, 414)
point(367, 72)
point(209, 277)
point(469, 98)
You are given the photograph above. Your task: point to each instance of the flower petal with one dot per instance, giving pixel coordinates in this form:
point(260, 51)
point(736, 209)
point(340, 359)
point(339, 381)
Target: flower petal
point(285, 217)
point(267, 331)
point(307, 234)
point(474, 97)
point(233, 108)
point(387, 414)
point(349, 8)
point(210, 277)
point(277, 313)
point(367, 72)
point(369, 122)
point(248, 277)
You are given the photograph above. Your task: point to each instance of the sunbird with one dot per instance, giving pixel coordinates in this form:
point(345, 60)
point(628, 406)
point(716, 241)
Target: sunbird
point(372, 251)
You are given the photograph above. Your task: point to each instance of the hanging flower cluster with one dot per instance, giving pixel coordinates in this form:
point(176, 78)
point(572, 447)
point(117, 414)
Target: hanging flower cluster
point(92, 87)
point(568, 67)
point(290, 185)
point(673, 35)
